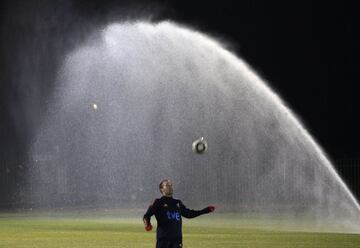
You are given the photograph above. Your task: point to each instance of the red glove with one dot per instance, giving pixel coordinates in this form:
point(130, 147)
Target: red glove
point(211, 208)
point(148, 227)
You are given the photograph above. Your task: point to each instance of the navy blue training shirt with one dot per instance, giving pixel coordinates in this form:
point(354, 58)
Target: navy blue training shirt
point(168, 212)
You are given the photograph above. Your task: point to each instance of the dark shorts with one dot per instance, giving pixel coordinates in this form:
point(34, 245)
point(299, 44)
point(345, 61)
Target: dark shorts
point(168, 243)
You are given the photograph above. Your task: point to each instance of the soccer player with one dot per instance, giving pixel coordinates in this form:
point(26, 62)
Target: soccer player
point(168, 212)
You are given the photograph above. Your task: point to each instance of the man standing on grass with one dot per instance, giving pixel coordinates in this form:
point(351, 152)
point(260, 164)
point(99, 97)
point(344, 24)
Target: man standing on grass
point(168, 212)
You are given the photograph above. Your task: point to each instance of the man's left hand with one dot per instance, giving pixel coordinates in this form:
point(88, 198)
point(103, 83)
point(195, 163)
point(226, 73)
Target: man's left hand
point(211, 208)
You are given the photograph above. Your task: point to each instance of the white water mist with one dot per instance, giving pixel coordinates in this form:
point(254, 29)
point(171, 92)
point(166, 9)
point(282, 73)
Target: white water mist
point(157, 88)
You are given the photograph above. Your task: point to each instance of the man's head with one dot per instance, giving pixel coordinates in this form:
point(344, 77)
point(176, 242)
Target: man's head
point(166, 188)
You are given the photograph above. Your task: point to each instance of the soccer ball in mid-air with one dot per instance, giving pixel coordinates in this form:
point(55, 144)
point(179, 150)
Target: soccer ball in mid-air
point(200, 146)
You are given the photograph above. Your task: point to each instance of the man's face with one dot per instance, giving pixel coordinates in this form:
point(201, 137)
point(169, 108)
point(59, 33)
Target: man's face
point(167, 189)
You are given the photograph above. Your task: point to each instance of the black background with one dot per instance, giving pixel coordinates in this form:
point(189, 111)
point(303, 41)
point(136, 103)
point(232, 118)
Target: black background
point(307, 52)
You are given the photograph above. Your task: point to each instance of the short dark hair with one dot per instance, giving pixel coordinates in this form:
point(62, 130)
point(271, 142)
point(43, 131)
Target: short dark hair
point(161, 183)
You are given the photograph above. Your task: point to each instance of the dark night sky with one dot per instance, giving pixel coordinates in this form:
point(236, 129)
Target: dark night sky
point(307, 52)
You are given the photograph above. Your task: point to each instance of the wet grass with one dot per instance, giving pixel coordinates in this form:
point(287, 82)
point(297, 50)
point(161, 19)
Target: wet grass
point(124, 229)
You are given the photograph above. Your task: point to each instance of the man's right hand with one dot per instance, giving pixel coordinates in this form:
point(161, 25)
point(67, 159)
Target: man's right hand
point(148, 226)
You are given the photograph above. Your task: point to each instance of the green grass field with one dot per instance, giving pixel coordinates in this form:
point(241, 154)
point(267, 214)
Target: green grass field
point(120, 229)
